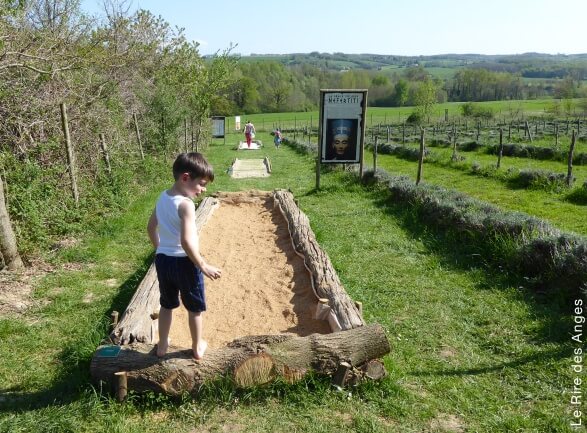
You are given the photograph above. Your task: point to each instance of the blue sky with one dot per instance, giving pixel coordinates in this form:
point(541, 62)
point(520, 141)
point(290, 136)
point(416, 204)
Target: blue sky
point(402, 27)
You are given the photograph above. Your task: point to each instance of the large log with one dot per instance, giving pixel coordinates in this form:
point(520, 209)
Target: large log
point(248, 361)
point(137, 322)
point(325, 280)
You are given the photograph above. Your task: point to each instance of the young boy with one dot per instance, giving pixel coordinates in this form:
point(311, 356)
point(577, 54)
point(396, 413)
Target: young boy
point(172, 230)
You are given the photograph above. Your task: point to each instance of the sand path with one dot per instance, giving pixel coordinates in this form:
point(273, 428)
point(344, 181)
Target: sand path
point(265, 287)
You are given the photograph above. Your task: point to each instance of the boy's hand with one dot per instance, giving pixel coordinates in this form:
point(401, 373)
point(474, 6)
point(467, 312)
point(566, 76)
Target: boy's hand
point(211, 272)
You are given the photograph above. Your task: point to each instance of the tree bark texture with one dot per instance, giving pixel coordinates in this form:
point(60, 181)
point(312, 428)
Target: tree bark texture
point(248, 361)
point(325, 281)
point(8, 247)
point(138, 321)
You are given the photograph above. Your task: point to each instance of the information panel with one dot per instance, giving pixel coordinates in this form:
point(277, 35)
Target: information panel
point(342, 125)
point(218, 126)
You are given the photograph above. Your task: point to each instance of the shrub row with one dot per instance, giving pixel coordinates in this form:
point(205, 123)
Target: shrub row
point(301, 146)
point(408, 153)
point(537, 152)
point(531, 247)
point(516, 150)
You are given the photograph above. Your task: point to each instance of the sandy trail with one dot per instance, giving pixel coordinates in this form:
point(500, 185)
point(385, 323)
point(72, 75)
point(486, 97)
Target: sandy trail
point(265, 287)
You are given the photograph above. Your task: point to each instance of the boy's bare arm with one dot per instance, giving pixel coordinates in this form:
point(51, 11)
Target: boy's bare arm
point(152, 229)
point(190, 241)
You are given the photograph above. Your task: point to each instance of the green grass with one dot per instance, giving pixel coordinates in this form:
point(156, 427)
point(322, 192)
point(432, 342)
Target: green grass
point(469, 343)
point(550, 206)
point(397, 115)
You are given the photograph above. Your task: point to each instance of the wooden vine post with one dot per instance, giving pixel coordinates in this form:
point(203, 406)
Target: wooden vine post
point(70, 153)
point(570, 160)
point(375, 155)
point(528, 132)
point(454, 156)
point(420, 157)
point(500, 150)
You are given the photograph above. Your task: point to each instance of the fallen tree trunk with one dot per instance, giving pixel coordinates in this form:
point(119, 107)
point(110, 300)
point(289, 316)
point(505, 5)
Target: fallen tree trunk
point(248, 361)
point(325, 279)
point(137, 322)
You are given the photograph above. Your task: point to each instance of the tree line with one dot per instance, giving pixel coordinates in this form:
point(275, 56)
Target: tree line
point(118, 74)
point(268, 85)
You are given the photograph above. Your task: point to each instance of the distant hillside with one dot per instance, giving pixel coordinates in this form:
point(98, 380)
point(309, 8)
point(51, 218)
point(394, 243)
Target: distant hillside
point(528, 65)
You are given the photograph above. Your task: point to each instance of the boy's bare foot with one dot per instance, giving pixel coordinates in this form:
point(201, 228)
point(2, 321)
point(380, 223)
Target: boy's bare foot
point(199, 350)
point(162, 348)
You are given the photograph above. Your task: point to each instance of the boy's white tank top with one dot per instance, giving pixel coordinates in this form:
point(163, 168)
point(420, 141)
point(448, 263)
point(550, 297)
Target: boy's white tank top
point(169, 224)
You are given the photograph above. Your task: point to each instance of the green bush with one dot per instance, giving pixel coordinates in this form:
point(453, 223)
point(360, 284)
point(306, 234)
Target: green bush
point(470, 109)
point(578, 195)
point(540, 179)
point(415, 118)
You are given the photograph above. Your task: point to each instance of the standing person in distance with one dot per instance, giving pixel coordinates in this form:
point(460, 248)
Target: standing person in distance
point(277, 138)
point(180, 266)
point(249, 133)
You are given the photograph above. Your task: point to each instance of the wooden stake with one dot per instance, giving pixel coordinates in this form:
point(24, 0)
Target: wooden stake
point(105, 154)
point(420, 157)
point(528, 131)
point(70, 154)
point(121, 386)
point(375, 155)
point(134, 116)
point(570, 160)
point(340, 377)
point(114, 319)
point(500, 151)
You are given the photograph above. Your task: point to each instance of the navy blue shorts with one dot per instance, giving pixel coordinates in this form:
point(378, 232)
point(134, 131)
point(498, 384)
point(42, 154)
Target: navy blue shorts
point(179, 276)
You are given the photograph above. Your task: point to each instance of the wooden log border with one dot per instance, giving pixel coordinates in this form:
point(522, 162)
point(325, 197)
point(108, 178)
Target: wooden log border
point(138, 322)
point(348, 356)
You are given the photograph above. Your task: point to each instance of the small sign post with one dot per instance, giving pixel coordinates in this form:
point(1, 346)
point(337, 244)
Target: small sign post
point(218, 127)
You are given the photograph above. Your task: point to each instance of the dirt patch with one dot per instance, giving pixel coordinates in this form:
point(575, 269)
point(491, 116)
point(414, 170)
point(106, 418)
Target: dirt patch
point(447, 423)
point(265, 287)
point(16, 288)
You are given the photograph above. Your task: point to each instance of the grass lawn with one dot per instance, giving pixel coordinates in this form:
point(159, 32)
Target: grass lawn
point(472, 349)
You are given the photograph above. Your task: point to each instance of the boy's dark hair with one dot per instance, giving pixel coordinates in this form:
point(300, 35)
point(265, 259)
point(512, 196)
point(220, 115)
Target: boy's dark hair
point(193, 163)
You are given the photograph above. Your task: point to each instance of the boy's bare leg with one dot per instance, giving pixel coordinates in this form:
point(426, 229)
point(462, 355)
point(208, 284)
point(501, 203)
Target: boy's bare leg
point(165, 316)
point(196, 327)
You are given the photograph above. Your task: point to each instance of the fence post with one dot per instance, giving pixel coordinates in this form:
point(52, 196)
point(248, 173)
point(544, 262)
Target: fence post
point(105, 154)
point(134, 116)
point(375, 156)
point(70, 154)
point(570, 161)
point(420, 157)
point(500, 151)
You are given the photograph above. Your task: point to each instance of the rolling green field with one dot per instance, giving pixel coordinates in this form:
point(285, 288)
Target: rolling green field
point(397, 115)
point(473, 349)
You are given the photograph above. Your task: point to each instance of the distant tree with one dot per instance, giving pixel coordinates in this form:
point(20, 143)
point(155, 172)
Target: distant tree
point(567, 90)
point(425, 98)
point(401, 93)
